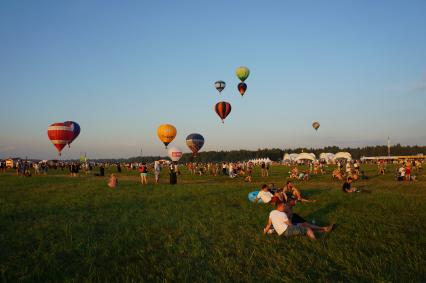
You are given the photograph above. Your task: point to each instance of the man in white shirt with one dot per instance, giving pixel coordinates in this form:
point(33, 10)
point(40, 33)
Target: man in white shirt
point(283, 226)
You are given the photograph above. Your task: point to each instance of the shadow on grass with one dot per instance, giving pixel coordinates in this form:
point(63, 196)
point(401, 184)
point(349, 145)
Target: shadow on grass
point(323, 212)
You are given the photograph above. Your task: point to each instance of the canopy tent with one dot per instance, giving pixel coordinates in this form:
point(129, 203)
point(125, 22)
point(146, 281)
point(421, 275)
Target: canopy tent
point(261, 160)
point(293, 156)
point(343, 155)
point(306, 156)
point(286, 157)
point(326, 156)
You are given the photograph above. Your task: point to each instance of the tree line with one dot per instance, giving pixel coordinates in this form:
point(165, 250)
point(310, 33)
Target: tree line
point(276, 154)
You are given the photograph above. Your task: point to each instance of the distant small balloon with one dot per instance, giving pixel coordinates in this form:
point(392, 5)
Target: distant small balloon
point(315, 125)
point(175, 153)
point(242, 87)
point(220, 85)
point(242, 73)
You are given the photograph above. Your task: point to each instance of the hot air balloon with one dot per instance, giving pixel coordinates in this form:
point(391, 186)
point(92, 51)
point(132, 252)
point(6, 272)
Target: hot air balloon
point(222, 109)
point(60, 135)
point(75, 127)
point(315, 125)
point(220, 85)
point(174, 153)
point(242, 73)
point(195, 142)
point(166, 133)
point(242, 87)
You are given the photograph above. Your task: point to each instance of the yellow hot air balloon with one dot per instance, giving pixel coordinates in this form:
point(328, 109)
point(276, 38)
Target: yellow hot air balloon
point(242, 73)
point(166, 133)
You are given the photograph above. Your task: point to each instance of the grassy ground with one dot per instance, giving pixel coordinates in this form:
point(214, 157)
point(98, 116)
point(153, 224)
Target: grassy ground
point(56, 228)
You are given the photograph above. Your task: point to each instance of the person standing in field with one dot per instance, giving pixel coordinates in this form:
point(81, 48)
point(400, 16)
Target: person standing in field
point(263, 169)
point(407, 171)
point(113, 181)
point(157, 171)
point(143, 170)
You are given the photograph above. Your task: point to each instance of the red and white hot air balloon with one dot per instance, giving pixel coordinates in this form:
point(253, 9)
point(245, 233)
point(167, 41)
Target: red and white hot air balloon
point(60, 134)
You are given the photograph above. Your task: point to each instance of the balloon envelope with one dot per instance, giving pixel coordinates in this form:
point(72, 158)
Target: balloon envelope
point(220, 85)
point(242, 73)
point(166, 133)
point(195, 142)
point(75, 127)
point(175, 153)
point(222, 109)
point(60, 135)
point(315, 125)
point(242, 87)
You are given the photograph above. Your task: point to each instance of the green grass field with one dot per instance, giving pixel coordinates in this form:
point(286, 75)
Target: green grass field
point(60, 229)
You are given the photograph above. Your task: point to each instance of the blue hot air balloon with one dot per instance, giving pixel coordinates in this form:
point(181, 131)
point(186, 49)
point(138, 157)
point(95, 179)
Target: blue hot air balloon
point(195, 142)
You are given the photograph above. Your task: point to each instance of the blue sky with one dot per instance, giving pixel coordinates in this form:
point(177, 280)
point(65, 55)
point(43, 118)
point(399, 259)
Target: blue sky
point(121, 68)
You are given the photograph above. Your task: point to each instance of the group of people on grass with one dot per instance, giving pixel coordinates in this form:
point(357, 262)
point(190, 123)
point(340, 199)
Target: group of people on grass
point(282, 219)
point(231, 169)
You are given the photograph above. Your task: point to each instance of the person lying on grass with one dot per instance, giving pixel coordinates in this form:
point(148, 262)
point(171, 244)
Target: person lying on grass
point(298, 220)
point(292, 192)
point(283, 225)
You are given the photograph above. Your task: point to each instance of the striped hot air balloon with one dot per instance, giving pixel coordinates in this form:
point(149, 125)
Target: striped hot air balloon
point(195, 142)
point(60, 134)
point(222, 109)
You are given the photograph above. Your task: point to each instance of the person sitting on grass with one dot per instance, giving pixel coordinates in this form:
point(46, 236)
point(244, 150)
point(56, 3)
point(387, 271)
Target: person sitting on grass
point(264, 194)
point(347, 186)
point(292, 192)
point(281, 224)
point(113, 181)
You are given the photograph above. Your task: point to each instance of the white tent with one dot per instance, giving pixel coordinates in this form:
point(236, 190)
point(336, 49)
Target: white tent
point(306, 156)
point(286, 157)
point(293, 156)
point(343, 155)
point(327, 157)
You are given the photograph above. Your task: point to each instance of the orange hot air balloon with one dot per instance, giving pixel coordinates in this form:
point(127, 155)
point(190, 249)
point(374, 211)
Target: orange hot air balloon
point(166, 133)
point(315, 125)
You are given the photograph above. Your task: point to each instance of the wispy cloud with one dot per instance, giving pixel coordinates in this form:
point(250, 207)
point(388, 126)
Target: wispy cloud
point(420, 86)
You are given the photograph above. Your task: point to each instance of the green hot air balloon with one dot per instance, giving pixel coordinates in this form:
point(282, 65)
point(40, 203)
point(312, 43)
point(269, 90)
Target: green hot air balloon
point(242, 73)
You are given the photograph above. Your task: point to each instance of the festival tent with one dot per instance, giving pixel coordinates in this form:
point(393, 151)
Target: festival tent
point(294, 156)
point(286, 157)
point(327, 157)
point(343, 155)
point(306, 156)
point(261, 160)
